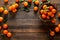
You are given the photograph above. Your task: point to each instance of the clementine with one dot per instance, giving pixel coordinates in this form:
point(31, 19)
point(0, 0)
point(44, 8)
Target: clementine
point(9, 34)
point(52, 33)
point(57, 29)
point(5, 31)
point(35, 8)
point(1, 9)
point(5, 26)
point(1, 19)
point(5, 12)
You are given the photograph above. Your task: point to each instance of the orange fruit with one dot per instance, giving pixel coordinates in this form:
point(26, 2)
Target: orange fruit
point(49, 13)
point(16, 5)
point(52, 33)
point(37, 2)
point(0, 27)
point(1, 19)
point(54, 20)
point(44, 6)
point(57, 29)
point(52, 15)
point(51, 7)
point(14, 11)
point(53, 11)
point(59, 15)
point(10, 8)
point(45, 12)
point(6, 1)
point(13, 7)
point(48, 17)
point(5, 26)
point(35, 8)
point(59, 25)
point(25, 4)
point(9, 34)
point(5, 12)
point(17, 1)
point(41, 11)
point(5, 31)
point(44, 16)
point(29, 1)
point(1, 9)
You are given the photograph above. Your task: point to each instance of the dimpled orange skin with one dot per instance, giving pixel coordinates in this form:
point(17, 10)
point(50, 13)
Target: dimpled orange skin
point(37, 2)
point(6, 1)
point(5, 32)
point(52, 33)
point(25, 4)
point(5, 26)
point(5, 12)
point(44, 16)
point(1, 19)
point(9, 34)
point(57, 29)
point(1, 9)
point(35, 8)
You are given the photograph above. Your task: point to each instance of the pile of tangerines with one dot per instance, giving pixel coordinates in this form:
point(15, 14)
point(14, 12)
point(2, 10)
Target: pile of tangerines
point(47, 12)
point(4, 25)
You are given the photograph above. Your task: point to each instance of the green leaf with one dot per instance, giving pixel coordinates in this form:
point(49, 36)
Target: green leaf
point(21, 0)
point(41, 3)
point(34, 0)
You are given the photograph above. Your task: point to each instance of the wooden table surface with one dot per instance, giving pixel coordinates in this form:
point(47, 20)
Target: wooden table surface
point(27, 25)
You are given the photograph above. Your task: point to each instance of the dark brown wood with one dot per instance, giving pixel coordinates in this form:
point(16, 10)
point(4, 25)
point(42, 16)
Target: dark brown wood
point(27, 25)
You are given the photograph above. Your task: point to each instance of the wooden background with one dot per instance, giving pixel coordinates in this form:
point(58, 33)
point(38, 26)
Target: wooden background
point(27, 25)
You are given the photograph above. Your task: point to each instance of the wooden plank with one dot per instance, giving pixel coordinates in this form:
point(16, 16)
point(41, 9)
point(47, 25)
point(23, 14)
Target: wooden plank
point(27, 30)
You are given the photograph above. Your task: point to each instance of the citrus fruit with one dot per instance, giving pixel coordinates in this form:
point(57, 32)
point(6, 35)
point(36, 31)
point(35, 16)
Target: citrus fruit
point(35, 8)
point(25, 4)
point(5, 31)
point(1, 9)
point(5, 12)
point(37, 2)
point(5, 26)
point(1, 19)
point(57, 29)
point(52, 33)
point(44, 6)
point(9, 34)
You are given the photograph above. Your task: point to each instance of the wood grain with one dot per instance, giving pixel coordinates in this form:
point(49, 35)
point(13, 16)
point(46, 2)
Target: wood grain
point(27, 25)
